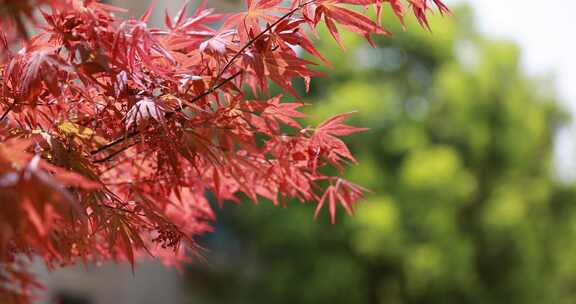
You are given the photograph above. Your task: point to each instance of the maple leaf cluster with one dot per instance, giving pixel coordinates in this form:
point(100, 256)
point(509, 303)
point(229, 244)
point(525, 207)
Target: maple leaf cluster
point(113, 133)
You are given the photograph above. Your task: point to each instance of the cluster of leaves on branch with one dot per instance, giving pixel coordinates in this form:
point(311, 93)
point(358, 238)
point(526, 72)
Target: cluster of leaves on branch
point(113, 132)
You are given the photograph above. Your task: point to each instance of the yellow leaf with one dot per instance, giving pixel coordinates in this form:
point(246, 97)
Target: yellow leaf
point(81, 132)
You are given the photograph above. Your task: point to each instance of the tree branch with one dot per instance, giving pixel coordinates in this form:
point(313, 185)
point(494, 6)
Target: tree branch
point(219, 76)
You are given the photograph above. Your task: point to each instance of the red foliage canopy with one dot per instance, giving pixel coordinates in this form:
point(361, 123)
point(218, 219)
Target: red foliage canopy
point(112, 132)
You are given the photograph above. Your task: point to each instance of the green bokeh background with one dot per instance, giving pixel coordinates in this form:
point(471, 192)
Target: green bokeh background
point(465, 206)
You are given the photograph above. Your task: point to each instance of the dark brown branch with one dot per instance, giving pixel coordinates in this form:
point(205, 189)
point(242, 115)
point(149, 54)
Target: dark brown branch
point(6, 112)
point(114, 142)
point(112, 155)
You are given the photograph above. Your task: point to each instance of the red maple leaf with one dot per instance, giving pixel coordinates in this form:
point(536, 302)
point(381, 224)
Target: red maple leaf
point(325, 141)
point(112, 131)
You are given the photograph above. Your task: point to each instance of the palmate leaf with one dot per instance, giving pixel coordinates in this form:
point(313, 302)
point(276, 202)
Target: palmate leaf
point(145, 110)
point(288, 34)
point(334, 126)
point(420, 7)
point(258, 11)
point(35, 70)
point(353, 21)
point(343, 193)
point(325, 142)
point(268, 116)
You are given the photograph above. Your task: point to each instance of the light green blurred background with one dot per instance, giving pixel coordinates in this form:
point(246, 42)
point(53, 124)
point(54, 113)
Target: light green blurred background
point(466, 205)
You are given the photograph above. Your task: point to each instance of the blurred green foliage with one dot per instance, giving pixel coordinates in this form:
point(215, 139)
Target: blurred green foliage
point(465, 207)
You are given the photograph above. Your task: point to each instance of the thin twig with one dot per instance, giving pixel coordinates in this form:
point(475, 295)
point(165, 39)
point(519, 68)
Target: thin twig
point(6, 112)
point(114, 142)
point(214, 88)
point(109, 157)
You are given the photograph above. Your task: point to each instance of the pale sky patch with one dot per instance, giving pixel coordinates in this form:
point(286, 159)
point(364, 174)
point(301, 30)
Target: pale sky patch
point(546, 34)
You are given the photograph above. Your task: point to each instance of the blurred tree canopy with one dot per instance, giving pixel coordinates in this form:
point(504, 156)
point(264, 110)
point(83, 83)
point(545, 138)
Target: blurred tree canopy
point(465, 207)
